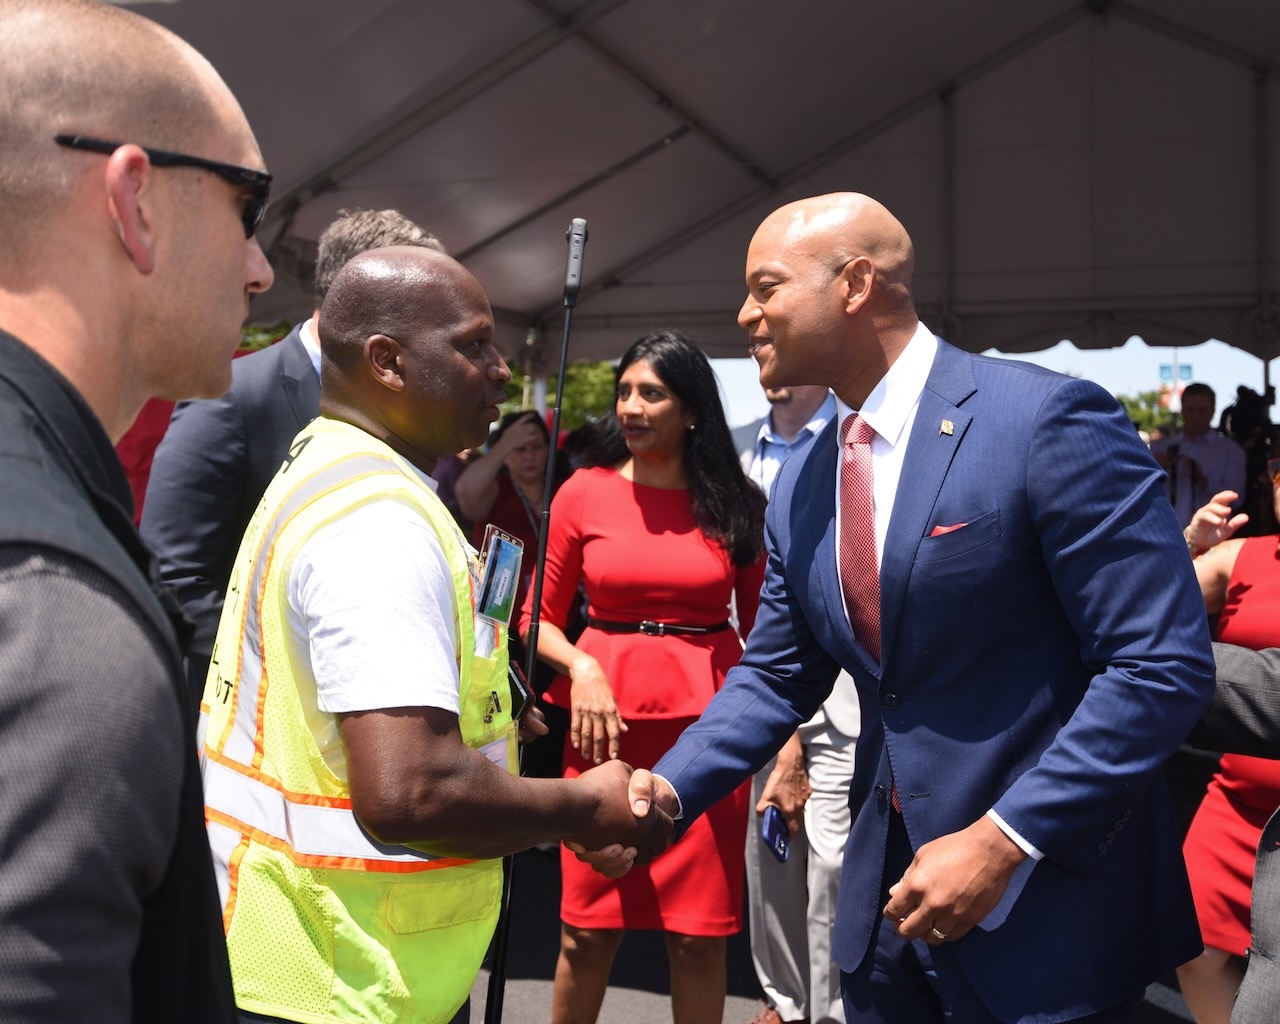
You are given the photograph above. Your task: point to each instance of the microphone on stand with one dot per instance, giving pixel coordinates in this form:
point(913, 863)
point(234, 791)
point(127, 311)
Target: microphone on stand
point(1173, 474)
point(577, 239)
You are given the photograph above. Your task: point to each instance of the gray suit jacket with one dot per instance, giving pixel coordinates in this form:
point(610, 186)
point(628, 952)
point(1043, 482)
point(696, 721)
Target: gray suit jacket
point(744, 440)
point(1244, 718)
point(211, 470)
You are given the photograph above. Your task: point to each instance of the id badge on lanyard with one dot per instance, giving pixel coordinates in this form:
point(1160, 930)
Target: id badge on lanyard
point(500, 558)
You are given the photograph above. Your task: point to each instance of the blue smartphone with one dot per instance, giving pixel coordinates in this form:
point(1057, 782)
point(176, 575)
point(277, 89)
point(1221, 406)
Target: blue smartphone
point(775, 834)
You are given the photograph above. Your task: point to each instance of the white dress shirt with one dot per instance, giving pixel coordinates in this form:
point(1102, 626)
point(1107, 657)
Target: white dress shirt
point(1220, 459)
point(307, 335)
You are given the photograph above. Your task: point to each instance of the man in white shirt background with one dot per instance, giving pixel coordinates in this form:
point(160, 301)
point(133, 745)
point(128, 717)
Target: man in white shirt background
point(1199, 461)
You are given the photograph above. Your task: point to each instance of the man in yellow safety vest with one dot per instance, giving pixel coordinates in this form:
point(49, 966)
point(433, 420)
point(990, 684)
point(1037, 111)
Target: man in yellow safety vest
point(358, 731)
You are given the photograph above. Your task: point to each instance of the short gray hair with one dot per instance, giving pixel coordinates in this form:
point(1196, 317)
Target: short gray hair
point(357, 231)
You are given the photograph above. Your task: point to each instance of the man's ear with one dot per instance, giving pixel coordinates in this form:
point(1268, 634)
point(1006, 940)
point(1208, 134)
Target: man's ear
point(130, 200)
point(385, 360)
point(858, 278)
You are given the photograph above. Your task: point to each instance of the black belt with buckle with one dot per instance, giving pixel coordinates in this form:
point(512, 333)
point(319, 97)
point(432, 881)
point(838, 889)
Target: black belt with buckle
point(650, 628)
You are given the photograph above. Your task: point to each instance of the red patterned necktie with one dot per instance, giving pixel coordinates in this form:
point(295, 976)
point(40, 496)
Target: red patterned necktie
point(859, 569)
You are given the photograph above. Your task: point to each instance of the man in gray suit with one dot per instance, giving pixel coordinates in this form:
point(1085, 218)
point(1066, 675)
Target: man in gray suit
point(218, 455)
point(1244, 718)
point(791, 905)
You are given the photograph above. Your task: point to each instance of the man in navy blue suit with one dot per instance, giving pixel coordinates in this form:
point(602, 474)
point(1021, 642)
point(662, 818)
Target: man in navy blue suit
point(1040, 650)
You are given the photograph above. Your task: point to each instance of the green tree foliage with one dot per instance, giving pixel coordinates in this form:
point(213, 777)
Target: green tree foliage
point(1146, 411)
point(588, 393)
point(253, 338)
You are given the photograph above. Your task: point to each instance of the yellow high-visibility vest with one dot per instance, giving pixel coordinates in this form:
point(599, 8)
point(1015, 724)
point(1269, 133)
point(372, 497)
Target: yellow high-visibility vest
point(324, 923)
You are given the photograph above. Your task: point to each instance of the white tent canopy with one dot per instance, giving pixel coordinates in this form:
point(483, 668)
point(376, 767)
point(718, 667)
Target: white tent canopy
point(1067, 170)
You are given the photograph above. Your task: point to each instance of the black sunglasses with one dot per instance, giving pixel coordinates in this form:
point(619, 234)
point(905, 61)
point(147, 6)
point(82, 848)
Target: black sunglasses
point(257, 182)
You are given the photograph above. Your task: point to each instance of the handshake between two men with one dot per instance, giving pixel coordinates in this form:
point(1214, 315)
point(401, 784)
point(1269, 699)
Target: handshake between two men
point(631, 831)
point(957, 878)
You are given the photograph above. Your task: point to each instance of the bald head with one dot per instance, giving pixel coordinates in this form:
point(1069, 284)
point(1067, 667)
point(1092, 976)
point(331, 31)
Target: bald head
point(407, 339)
point(357, 231)
point(88, 68)
point(841, 226)
point(829, 294)
point(394, 291)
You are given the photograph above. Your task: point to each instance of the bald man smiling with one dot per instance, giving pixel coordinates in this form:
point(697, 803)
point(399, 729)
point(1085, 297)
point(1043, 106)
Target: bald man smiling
point(986, 548)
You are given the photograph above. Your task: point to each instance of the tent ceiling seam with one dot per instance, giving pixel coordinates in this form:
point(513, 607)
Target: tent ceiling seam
point(638, 156)
point(660, 97)
point(369, 150)
point(832, 152)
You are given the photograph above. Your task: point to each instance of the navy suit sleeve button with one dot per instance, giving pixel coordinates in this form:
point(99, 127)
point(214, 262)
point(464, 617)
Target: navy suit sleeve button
point(881, 793)
point(890, 701)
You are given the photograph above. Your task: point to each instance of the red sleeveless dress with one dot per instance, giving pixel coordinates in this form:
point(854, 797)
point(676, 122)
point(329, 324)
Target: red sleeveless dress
point(1222, 843)
point(641, 556)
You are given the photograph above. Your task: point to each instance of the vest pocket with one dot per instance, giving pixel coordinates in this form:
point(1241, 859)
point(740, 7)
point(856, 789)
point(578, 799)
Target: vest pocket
point(441, 924)
point(444, 897)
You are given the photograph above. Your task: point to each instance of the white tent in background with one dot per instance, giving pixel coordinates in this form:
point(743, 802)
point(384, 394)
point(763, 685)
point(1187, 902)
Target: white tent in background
point(1073, 170)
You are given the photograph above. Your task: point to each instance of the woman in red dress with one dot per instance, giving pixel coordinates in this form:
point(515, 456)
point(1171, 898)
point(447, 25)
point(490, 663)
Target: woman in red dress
point(663, 528)
point(1240, 581)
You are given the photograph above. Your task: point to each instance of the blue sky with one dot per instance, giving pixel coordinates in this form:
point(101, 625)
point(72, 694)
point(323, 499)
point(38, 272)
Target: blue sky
point(1127, 370)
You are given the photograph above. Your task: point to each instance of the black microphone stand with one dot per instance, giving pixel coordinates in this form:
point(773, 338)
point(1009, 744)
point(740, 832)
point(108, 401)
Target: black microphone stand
point(577, 237)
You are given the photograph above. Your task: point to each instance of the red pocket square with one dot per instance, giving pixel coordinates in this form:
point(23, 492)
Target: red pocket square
point(938, 531)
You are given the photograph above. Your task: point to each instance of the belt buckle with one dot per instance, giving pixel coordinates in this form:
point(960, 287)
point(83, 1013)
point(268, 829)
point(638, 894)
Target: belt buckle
point(650, 628)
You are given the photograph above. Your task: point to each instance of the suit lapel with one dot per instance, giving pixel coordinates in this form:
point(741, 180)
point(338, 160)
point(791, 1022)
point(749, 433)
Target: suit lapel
point(930, 451)
point(298, 379)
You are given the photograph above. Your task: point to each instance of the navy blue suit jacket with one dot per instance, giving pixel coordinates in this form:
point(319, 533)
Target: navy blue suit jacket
point(1044, 659)
point(210, 472)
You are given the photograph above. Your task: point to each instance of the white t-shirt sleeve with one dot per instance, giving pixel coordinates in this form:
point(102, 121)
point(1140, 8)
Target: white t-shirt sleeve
point(373, 595)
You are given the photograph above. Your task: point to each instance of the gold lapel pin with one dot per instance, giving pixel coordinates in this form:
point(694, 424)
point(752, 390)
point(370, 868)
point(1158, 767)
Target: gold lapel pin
point(947, 428)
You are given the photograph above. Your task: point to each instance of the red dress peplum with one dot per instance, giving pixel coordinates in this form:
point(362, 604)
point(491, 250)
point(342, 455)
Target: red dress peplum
point(640, 556)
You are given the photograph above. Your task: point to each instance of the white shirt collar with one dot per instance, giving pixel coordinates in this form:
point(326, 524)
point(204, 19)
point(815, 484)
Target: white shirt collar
point(892, 401)
point(819, 420)
point(307, 334)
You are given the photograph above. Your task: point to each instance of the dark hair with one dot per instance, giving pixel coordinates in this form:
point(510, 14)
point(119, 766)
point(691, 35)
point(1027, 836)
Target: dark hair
point(563, 466)
point(511, 418)
point(1191, 390)
point(726, 506)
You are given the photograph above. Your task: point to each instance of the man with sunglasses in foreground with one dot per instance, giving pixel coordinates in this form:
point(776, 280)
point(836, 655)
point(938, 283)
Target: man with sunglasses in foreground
point(130, 187)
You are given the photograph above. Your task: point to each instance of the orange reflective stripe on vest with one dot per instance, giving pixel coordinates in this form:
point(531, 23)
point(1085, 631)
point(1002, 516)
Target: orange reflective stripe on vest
point(313, 831)
point(241, 739)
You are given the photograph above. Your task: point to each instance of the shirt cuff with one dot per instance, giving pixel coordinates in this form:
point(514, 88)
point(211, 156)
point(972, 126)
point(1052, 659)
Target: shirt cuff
point(1021, 843)
point(679, 806)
